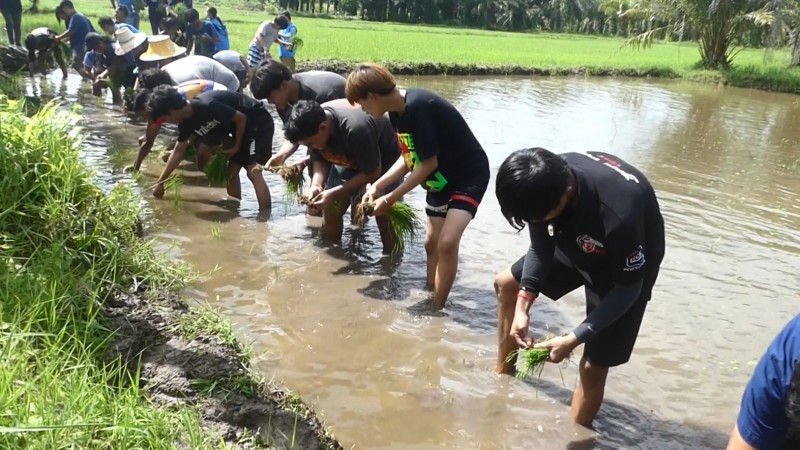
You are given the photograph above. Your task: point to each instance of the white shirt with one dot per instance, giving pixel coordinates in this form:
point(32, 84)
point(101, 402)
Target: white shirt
point(230, 59)
point(196, 67)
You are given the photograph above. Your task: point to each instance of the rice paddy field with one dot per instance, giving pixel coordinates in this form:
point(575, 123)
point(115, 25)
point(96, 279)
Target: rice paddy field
point(353, 40)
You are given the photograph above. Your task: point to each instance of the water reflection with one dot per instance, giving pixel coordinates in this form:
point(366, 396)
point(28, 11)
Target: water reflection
point(343, 325)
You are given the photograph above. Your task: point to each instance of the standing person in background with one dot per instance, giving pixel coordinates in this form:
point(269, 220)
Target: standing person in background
point(200, 34)
point(286, 47)
point(12, 14)
point(222, 30)
point(171, 28)
point(443, 156)
point(39, 43)
point(236, 63)
point(77, 29)
point(131, 15)
point(267, 34)
point(155, 14)
point(110, 27)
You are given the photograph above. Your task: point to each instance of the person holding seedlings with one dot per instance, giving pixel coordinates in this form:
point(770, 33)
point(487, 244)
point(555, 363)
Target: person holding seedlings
point(206, 120)
point(266, 35)
point(78, 26)
point(200, 34)
point(222, 30)
point(12, 14)
point(769, 417)
point(107, 69)
point(444, 157)
point(236, 63)
point(39, 43)
point(348, 150)
point(594, 221)
point(285, 42)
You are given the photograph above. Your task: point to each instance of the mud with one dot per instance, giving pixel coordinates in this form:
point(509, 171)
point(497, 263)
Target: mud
point(208, 374)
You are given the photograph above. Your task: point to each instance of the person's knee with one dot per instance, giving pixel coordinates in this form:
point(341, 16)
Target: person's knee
point(431, 244)
point(504, 284)
point(447, 245)
point(592, 375)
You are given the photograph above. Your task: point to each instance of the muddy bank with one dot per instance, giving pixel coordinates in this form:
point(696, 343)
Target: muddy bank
point(433, 68)
point(183, 359)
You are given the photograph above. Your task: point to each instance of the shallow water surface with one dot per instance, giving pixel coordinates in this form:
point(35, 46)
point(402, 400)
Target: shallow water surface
point(348, 330)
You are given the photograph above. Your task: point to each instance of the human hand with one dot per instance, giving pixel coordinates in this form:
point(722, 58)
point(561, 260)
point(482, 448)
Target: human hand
point(325, 198)
point(369, 195)
point(519, 328)
point(277, 160)
point(158, 192)
point(560, 347)
point(382, 205)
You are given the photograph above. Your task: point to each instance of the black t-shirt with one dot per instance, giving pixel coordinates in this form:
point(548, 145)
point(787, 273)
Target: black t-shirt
point(213, 112)
point(42, 40)
point(317, 85)
point(358, 141)
point(614, 234)
point(431, 126)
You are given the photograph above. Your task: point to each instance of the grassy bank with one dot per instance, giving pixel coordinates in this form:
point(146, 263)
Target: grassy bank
point(96, 351)
point(434, 49)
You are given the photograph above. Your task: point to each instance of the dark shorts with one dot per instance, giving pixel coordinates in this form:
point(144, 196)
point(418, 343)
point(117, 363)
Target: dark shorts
point(257, 143)
point(466, 196)
point(614, 345)
point(77, 58)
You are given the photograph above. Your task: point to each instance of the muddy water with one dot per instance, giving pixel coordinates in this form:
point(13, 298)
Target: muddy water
point(349, 331)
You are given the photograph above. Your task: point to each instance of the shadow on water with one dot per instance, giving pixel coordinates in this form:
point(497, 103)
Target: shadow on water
point(618, 425)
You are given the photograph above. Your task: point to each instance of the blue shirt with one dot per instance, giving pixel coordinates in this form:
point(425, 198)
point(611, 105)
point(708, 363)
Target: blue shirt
point(133, 29)
point(222, 32)
point(200, 47)
point(762, 421)
point(79, 27)
point(128, 4)
point(98, 61)
point(286, 35)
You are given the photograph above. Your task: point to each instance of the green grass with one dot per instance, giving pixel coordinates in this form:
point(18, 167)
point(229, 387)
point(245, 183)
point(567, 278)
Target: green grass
point(64, 247)
point(206, 321)
point(356, 41)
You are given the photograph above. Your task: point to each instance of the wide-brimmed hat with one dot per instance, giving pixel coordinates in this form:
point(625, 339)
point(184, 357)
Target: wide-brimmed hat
point(161, 47)
point(127, 40)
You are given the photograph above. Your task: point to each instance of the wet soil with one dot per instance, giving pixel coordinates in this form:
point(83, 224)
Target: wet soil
point(208, 374)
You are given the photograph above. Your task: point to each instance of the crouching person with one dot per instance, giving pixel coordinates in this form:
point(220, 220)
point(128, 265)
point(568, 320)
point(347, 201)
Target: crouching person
point(206, 120)
point(348, 150)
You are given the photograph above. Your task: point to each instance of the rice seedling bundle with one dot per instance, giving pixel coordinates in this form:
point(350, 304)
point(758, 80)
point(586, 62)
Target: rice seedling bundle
point(293, 175)
point(531, 361)
point(217, 169)
point(403, 221)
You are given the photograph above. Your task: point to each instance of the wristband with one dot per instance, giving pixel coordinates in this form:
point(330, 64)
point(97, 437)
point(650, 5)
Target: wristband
point(527, 296)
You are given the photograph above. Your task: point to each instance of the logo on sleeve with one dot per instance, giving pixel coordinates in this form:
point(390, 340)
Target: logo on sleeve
point(590, 245)
point(635, 260)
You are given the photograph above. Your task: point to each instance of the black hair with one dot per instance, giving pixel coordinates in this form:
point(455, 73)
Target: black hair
point(92, 39)
point(124, 11)
point(163, 101)
point(140, 99)
point(306, 117)
point(58, 12)
point(287, 15)
point(268, 77)
point(169, 22)
point(66, 4)
point(153, 78)
point(793, 410)
point(529, 185)
point(30, 45)
point(191, 15)
point(281, 21)
point(105, 21)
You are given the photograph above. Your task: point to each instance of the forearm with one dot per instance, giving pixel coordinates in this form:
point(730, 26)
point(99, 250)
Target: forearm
point(147, 145)
point(355, 183)
point(320, 170)
point(174, 159)
point(241, 126)
point(288, 149)
point(611, 308)
point(398, 170)
point(189, 45)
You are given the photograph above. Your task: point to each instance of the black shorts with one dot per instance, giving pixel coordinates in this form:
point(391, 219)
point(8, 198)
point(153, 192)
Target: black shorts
point(257, 143)
point(466, 196)
point(612, 346)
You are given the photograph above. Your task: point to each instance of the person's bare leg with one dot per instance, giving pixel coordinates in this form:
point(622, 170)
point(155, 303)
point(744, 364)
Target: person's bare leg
point(431, 248)
point(333, 221)
point(506, 288)
point(388, 238)
point(234, 185)
point(589, 393)
point(203, 155)
point(260, 185)
point(447, 253)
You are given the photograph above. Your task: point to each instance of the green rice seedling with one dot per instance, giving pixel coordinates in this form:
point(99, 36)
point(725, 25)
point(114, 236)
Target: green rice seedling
point(216, 231)
point(175, 183)
point(217, 169)
point(293, 175)
point(403, 221)
point(532, 361)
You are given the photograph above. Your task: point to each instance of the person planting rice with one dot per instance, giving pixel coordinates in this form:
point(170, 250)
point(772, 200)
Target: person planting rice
point(274, 82)
point(106, 68)
point(266, 35)
point(348, 150)
point(236, 63)
point(205, 121)
point(769, 418)
point(138, 105)
point(594, 221)
point(200, 35)
point(78, 26)
point(443, 156)
point(39, 43)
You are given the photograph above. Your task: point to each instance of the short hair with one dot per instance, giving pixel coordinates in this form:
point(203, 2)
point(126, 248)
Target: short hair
point(66, 4)
point(92, 39)
point(281, 21)
point(304, 122)
point(529, 184)
point(287, 15)
point(268, 77)
point(123, 9)
point(140, 99)
point(153, 78)
point(368, 78)
point(191, 15)
point(169, 23)
point(793, 408)
point(105, 20)
point(211, 10)
point(163, 101)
